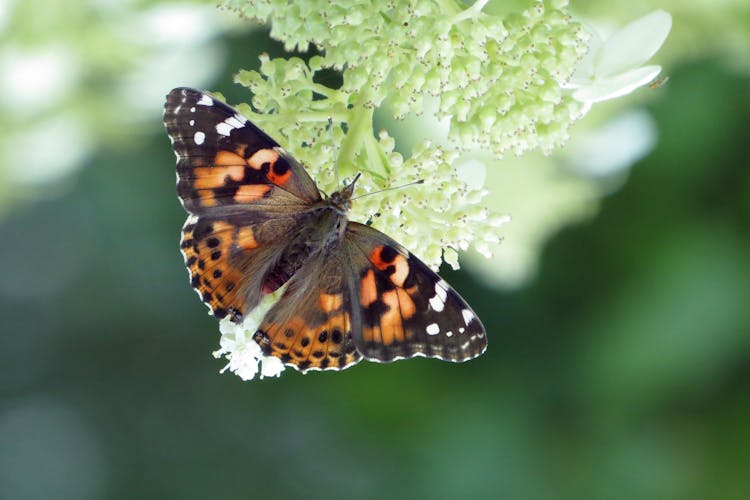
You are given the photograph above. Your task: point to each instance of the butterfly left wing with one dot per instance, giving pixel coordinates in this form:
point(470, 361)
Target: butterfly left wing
point(310, 327)
point(404, 309)
point(367, 296)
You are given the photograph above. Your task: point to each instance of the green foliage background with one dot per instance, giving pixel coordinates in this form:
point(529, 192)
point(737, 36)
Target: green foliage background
point(623, 371)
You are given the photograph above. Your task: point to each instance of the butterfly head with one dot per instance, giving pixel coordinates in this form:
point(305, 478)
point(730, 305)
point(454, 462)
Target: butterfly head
point(342, 200)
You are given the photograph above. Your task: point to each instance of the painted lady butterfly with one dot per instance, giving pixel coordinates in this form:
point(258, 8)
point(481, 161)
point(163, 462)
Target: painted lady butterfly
point(258, 221)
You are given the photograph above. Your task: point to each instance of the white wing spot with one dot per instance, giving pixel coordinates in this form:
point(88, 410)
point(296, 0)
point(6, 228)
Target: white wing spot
point(449, 333)
point(192, 110)
point(199, 137)
point(438, 301)
point(236, 121)
point(432, 329)
point(192, 123)
point(205, 101)
point(461, 330)
point(223, 128)
point(468, 316)
point(436, 304)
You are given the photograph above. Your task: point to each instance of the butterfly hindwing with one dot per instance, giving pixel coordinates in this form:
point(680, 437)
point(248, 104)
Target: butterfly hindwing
point(229, 257)
point(224, 161)
point(310, 327)
point(403, 307)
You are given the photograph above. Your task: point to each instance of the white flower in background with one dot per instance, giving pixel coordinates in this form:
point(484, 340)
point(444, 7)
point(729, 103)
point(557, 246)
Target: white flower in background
point(244, 355)
point(615, 67)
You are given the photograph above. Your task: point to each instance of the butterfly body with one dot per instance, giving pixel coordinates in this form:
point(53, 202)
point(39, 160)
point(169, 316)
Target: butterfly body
point(257, 221)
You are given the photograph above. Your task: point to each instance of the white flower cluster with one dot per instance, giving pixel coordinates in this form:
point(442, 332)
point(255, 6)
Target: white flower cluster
point(244, 356)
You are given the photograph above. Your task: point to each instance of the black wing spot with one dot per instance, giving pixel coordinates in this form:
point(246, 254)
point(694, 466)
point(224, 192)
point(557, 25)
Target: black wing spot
point(304, 342)
point(280, 167)
point(212, 242)
point(323, 336)
point(336, 336)
point(388, 253)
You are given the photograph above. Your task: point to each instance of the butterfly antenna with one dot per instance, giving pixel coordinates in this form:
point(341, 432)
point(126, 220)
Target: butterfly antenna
point(420, 181)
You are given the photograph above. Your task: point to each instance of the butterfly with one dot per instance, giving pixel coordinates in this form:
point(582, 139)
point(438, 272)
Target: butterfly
point(257, 221)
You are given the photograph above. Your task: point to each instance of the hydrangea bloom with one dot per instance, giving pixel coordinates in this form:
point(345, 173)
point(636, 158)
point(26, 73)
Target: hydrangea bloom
point(494, 79)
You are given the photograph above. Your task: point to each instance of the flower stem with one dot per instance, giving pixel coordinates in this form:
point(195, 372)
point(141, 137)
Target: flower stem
point(360, 130)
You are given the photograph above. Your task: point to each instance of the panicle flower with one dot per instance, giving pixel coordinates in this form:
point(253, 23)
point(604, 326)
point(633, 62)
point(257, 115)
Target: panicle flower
point(475, 63)
point(495, 80)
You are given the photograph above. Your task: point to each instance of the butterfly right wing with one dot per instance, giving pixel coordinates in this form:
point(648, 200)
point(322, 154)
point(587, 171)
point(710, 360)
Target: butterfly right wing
point(224, 161)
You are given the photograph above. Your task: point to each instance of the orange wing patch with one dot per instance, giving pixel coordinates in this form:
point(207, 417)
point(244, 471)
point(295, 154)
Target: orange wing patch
point(368, 292)
point(230, 158)
point(232, 163)
point(213, 276)
point(246, 238)
point(317, 347)
point(330, 302)
point(247, 193)
point(385, 257)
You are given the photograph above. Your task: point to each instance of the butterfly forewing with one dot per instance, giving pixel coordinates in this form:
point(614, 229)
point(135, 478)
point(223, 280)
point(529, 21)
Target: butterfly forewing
point(223, 160)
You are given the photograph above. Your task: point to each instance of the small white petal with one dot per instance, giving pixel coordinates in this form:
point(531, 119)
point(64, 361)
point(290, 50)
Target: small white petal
point(584, 71)
point(634, 44)
point(271, 366)
point(617, 86)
